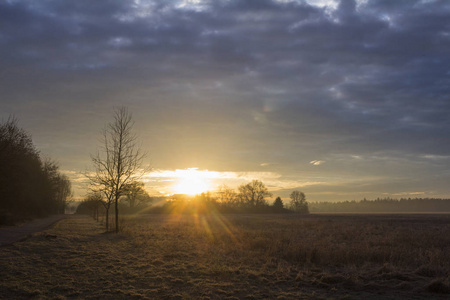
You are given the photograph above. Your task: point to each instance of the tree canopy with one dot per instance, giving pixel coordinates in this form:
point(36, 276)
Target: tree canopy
point(298, 202)
point(29, 186)
point(253, 194)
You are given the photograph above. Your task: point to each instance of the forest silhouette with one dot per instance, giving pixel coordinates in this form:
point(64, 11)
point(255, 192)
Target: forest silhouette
point(30, 186)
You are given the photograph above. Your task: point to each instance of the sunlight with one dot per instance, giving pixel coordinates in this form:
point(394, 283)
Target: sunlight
point(197, 181)
point(192, 182)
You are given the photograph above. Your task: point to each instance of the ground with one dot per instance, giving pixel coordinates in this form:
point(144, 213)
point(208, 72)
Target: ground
point(233, 257)
point(11, 234)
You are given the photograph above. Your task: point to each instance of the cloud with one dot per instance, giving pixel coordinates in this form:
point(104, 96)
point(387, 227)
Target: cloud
point(181, 173)
point(317, 162)
point(437, 157)
point(226, 85)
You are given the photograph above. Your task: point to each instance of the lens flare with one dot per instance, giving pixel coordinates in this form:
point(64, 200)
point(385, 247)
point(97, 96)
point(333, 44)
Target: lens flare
point(192, 182)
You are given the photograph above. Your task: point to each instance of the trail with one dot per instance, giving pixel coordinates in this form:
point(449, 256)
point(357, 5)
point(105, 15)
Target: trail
point(11, 235)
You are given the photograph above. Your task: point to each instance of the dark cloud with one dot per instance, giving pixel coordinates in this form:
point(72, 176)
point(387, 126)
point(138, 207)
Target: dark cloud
point(237, 83)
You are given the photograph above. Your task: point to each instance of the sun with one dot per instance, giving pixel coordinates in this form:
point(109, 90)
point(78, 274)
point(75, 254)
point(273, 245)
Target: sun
point(192, 182)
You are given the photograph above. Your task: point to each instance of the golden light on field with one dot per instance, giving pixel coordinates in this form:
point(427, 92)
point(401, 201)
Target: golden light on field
point(192, 182)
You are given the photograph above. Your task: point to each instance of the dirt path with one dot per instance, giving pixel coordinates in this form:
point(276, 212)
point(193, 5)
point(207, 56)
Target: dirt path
point(13, 234)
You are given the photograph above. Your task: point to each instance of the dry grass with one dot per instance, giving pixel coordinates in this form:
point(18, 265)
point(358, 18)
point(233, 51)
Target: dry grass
point(234, 257)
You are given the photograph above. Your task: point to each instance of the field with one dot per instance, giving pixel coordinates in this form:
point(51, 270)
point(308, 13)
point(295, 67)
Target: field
point(234, 257)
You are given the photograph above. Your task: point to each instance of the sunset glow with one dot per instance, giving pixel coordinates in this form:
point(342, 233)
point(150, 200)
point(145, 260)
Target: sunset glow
point(192, 182)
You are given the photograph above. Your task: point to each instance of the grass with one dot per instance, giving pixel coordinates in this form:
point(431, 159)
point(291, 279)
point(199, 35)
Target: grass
point(234, 257)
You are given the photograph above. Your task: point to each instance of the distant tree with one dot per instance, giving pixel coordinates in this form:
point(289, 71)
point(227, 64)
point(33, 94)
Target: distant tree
point(278, 204)
point(119, 160)
point(135, 194)
point(298, 202)
point(253, 194)
point(63, 192)
point(91, 205)
point(226, 196)
point(57, 185)
point(203, 203)
point(95, 201)
point(417, 205)
point(101, 186)
point(205, 197)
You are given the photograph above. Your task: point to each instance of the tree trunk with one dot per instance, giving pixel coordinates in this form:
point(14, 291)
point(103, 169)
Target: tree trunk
point(107, 219)
point(117, 214)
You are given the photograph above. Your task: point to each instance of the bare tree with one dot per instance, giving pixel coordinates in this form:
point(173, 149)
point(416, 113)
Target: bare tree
point(105, 196)
point(93, 201)
point(119, 160)
point(298, 202)
point(135, 194)
point(102, 186)
point(252, 194)
point(226, 196)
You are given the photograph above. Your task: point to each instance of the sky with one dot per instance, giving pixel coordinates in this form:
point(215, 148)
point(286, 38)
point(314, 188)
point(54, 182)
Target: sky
point(342, 100)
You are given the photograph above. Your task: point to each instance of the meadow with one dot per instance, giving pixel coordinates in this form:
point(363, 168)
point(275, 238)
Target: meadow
point(216, 256)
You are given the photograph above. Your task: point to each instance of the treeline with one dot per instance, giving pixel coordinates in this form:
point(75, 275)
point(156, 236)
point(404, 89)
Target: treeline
point(249, 198)
point(30, 186)
point(385, 205)
point(134, 199)
point(209, 203)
